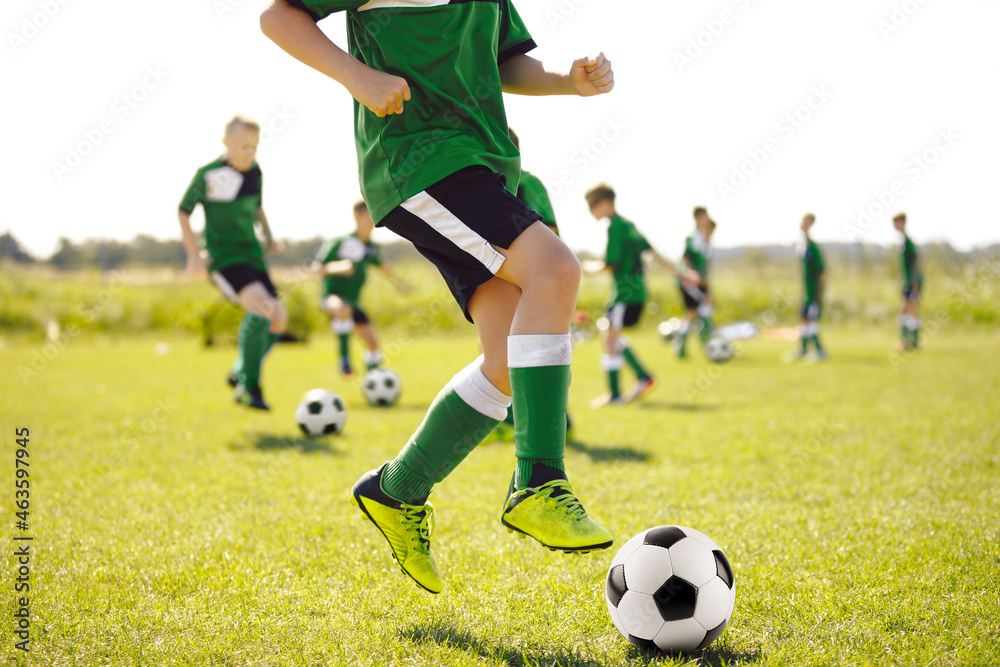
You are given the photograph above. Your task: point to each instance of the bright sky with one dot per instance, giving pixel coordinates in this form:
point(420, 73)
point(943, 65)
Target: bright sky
point(760, 110)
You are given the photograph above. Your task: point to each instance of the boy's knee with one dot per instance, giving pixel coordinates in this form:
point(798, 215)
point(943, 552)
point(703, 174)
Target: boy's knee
point(562, 271)
point(278, 316)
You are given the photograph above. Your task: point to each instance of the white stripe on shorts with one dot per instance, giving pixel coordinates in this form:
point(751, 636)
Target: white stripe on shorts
point(224, 287)
point(383, 4)
point(445, 223)
point(616, 317)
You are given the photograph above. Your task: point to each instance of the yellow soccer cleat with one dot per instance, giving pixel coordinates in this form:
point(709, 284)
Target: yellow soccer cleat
point(407, 528)
point(549, 512)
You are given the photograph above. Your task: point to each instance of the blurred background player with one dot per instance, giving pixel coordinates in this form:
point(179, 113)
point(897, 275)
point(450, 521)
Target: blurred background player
point(515, 280)
point(813, 275)
point(913, 282)
point(343, 263)
point(229, 191)
point(532, 192)
point(628, 298)
point(697, 299)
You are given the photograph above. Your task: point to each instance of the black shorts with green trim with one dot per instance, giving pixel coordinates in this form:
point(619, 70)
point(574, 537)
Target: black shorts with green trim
point(693, 295)
point(358, 315)
point(456, 223)
point(233, 278)
point(624, 315)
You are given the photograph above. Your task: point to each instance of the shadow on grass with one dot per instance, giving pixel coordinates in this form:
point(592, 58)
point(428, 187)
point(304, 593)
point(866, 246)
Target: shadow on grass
point(446, 635)
point(398, 407)
point(676, 407)
point(608, 454)
point(714, 656)
point(276, 443)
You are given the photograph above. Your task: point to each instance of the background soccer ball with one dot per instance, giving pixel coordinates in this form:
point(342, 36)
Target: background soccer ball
point(719, 350)
point(381, 387)
point(670, 589)
point(321, 412)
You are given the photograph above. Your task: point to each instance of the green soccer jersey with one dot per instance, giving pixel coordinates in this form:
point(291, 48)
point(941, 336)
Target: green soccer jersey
point(531, 191)
point(449, 54)
point(624, 256)
point(912, 277)
point(812, 270)
point(231, 200)
point(696, 254)
point(362, 254)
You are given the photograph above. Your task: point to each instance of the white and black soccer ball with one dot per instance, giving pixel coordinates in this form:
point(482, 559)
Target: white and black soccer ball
point(321, 412)
point(670, 589)
point(719, 350)
point(381, 386)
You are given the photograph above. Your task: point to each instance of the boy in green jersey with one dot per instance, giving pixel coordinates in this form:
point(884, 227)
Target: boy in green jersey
point(813, 275)
point(438, 168)
point(913, 282)
point(623, 258)
point(343, 264)
point(697, 300)
point(532, 192)
point(229, 190)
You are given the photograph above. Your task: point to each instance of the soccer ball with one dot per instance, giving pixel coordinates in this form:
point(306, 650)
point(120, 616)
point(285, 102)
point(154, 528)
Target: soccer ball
point(719, 350)
point(381, 387)
point(670, 589)
point(321, 412)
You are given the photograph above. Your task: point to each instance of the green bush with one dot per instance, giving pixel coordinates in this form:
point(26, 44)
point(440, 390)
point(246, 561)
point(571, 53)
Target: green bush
point(134, 300)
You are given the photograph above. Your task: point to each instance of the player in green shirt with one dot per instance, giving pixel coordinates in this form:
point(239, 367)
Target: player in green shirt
point(623, 258)
point(697, 299)
point(532, 192)
point(229, 190)
point(438, 168)
point(343, 264)
point(813, 276)
point(913, 283)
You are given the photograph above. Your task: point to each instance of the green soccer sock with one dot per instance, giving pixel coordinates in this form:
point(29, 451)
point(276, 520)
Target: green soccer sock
point(539, 382)
point(633, 362)
point(682, 338)
point(271, 340)
point(254, 341)
point(463, 414)
point(915, 332)
point(345, 344)
point(612, 364)
point(509, 419)
point(816, 344)
point(614, 387)
point(804, 342)
point(706, 329)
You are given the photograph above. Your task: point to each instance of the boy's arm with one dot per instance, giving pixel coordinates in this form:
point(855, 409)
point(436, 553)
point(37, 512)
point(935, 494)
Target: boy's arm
point(265, 228)
point(195, 264)
point(396, 280)
point(297, 34)
point(523, 75)
point(664, 262)
point(338, 267)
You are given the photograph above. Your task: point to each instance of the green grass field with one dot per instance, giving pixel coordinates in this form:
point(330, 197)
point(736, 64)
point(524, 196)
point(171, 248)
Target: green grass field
point(857, 500)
